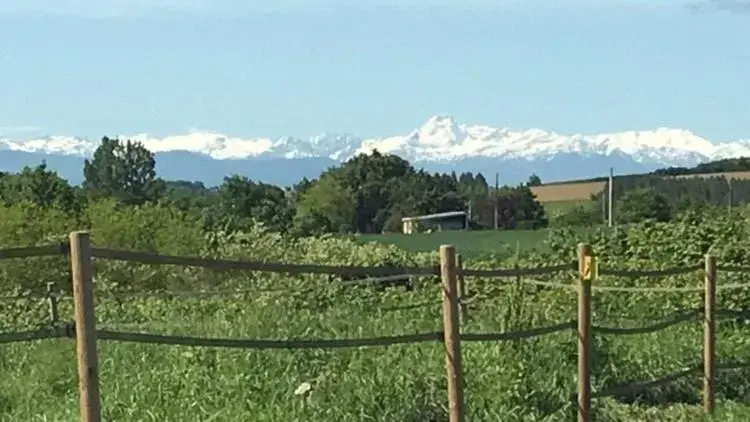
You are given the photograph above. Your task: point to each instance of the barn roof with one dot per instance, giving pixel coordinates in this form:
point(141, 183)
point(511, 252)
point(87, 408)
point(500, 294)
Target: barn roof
point(437, 216)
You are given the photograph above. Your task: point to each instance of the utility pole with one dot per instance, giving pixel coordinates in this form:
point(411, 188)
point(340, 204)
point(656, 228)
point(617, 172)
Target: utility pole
point(609, 195)
point(497, 195)
point(729, 202)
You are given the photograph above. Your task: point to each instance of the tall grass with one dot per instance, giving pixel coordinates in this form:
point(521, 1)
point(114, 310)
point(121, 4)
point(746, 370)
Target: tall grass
point(527, 380)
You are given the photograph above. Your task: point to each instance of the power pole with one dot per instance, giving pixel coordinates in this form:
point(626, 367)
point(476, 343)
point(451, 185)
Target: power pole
point(497, 195)
point(609, 195)
point(729, 204)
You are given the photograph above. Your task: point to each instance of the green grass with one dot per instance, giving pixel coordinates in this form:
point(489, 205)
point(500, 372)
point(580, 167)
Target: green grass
point(505, 381)
point(561, 207)
point(472, 243)
point(475, 244)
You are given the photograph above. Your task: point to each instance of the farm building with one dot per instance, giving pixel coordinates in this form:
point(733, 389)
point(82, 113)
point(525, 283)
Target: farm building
point(452, 220)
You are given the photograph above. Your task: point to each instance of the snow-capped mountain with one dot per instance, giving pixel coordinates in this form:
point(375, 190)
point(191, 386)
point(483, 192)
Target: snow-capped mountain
point(441, 138)
point(440, 144)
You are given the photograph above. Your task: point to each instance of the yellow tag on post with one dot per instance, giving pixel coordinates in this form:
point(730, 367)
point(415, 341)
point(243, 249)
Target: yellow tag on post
point(590, 268)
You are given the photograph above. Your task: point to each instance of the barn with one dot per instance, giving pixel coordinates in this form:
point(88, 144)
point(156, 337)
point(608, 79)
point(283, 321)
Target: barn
point(452, 220)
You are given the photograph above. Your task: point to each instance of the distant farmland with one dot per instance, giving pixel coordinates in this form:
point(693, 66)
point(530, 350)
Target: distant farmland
point(582, 190)
point(573, 191)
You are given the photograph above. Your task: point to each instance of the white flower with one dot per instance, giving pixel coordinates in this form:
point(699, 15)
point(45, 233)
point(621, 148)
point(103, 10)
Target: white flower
point(303, 389)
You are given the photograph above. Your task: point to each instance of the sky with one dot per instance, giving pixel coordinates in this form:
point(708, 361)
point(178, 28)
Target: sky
point(372, 67)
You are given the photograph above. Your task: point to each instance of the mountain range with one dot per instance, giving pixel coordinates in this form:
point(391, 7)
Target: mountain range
point(439, 144)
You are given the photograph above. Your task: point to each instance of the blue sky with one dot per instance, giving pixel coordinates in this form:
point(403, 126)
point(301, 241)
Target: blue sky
point(382, 67)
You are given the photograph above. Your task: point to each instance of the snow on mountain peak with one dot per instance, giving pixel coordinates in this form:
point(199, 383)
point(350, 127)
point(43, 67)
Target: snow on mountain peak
point(216, 145)
point(441, 138)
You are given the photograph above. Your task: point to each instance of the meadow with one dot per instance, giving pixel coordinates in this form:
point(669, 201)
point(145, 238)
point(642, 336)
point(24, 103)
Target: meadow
point(471, 243)
point(475, 244)
point(523, 380)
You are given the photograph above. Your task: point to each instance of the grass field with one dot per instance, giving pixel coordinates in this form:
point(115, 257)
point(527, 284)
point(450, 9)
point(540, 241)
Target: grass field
point(506, 381)
point(472, 243)
point(560, 207)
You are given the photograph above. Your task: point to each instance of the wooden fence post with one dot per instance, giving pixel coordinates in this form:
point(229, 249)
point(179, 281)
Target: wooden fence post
point(451, 334)
point(586, 270)
point(709, 336)
point(462, 290)
point(85, 329)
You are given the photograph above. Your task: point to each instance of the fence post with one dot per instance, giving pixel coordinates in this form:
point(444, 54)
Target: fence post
point(585, 272)
point(85, 329)
point(709, 336)
point(462, 290)
point(451, 333)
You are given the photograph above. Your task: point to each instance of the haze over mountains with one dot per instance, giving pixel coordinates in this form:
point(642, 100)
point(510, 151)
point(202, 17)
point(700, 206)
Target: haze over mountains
point(440, 144)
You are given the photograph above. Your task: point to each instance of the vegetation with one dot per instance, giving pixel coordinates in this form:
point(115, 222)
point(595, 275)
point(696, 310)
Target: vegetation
point(723, 182)
point(719, 166)
point(480, 244)
point(242, 219)
point(728, 165)
point(367, 194)
point(144, 382)
point(640, 197)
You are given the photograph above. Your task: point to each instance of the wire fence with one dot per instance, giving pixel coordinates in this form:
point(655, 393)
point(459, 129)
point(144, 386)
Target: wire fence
point(454, 298)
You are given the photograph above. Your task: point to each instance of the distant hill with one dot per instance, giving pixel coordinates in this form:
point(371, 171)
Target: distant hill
point(583, 189)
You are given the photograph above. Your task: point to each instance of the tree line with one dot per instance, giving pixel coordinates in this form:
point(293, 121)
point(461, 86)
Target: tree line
point(726, 165)
point(369, 193)
point(658, 197)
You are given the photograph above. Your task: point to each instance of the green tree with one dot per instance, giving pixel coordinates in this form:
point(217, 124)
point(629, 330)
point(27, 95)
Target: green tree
point(642, 204)
point(371, 178)
point(125, 171)
point(423, 193)
point(517, 207)
point(188, 196)
point(40, 187)
point(326, 206)
point(385, 187)
point(243, 201)
point(534, 180)
point(295, 192)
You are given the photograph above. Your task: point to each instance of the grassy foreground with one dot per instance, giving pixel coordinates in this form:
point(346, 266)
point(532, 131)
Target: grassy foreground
point(529, 380)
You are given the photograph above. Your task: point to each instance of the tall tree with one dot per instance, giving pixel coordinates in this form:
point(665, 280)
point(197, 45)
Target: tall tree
point(534, 180)
point(517, 207)
point(125, 171)
point(188, 196)
point(324, 207)
point(642, 204)
point(243, 200)
point(367, 177)
point(41, 187)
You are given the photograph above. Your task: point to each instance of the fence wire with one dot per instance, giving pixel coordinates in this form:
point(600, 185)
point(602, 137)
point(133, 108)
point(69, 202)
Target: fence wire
point(69, 331)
